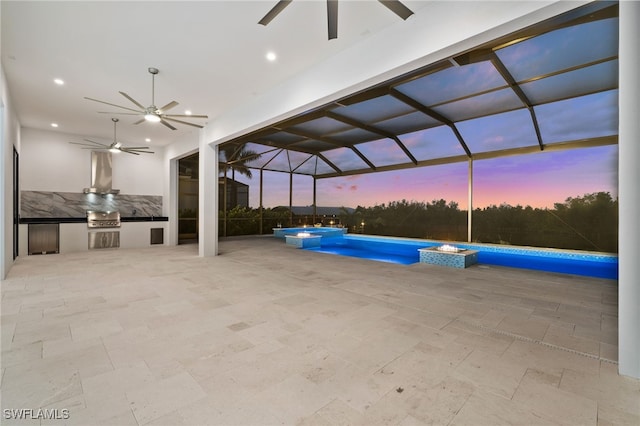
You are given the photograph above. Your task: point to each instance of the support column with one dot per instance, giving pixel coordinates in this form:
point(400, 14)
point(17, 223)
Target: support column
point(171, 209)
point(629, 197)
point(225, 207)
point(470, 200)
point(315, 203)
point(261, 207)
point(208, 199)
point(290, 199)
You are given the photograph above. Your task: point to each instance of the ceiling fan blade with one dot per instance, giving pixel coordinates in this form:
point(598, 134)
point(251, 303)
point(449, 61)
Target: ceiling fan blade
point(279, 7)
point(398, 8)
point(168, 106)
point(183, 122)
point(137, 152)
point(84, 144)
point(97, 143)
point(136, 148)
point(167, 124)
point(332, 18)
point(128, 152)
point(138, 104)
point(117, 106)
point(119, 113)
point(185, 115)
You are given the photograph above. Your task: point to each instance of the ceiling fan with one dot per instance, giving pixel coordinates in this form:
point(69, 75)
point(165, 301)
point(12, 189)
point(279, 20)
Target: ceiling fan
point(115, 146)
point(152, 113)
point(332, 13)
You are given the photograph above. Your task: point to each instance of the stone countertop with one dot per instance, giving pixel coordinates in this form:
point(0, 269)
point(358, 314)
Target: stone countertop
point(27, 220)
point(144, 219)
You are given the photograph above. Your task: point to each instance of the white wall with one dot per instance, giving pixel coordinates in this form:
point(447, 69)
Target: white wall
point(9, 137)
point(629, 233)
point(48, 162)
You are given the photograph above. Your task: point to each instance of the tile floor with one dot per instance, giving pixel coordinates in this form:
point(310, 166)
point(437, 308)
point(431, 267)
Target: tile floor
point(266, 334)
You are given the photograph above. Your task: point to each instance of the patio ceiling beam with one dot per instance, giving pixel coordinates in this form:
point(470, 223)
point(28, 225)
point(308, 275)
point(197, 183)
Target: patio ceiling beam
point(504, 72)
point(333, 142)
point(393, 167)
point(300, 119)
point(570, 69)
point(363, 96)
point(558, 146)
point(364, 158)
point(431, 113)
point(375, 130)
point(339, 171)
point(301, 164)
point(294, 148)
point(312, 136)
point(271, 159)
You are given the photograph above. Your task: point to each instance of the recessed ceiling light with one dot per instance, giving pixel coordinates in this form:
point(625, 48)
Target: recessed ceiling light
point(58, 81)
point(271, 56)
point(147, 140)
point(187, 112)
point(54, 124)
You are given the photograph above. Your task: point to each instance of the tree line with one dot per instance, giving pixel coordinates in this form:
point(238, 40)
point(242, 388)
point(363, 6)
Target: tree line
point(588, 222)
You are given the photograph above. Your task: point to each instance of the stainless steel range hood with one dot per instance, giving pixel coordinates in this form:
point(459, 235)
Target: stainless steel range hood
point(101, 174)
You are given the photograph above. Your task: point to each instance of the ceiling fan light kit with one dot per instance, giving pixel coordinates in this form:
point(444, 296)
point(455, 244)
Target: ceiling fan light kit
point(152, 113)
point(152, 117)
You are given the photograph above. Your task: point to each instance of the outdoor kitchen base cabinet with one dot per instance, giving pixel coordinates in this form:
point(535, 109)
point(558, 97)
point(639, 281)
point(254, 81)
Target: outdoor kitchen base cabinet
point(100, 240)
point(43, 238)
point(157, 236)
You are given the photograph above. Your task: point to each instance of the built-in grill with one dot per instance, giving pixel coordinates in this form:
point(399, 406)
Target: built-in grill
point(96, 222)
point(97, 219)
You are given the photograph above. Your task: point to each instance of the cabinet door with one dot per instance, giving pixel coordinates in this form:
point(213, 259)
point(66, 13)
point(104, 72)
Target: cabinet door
point(43, 238)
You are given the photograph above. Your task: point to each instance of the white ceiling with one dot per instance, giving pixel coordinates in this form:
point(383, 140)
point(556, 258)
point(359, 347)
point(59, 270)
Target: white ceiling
point(211, 56)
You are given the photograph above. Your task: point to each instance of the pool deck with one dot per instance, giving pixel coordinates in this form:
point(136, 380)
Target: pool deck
point(264, 334)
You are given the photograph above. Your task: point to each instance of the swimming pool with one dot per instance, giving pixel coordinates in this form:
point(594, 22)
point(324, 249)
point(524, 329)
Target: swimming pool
point(405, 252)
point(324, 231)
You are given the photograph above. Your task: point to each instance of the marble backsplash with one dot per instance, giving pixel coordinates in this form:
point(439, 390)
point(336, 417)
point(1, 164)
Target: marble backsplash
point(44, 204)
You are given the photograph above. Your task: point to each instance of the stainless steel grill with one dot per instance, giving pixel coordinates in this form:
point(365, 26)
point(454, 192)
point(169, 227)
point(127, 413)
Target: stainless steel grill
point(97, 219)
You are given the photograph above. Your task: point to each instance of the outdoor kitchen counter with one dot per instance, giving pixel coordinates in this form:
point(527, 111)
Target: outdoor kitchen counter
point(73, 232)
point(27, 220)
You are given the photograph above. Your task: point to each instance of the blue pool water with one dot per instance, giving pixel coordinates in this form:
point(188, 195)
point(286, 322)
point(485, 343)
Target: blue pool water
point(405, 252)
point(324, 231)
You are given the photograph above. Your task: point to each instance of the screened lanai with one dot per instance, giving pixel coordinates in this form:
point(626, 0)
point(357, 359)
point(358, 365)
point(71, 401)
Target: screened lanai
point(552, 86)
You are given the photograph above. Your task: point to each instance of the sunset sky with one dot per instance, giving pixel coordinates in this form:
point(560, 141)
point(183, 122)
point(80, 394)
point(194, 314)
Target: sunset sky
point(536, 180)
